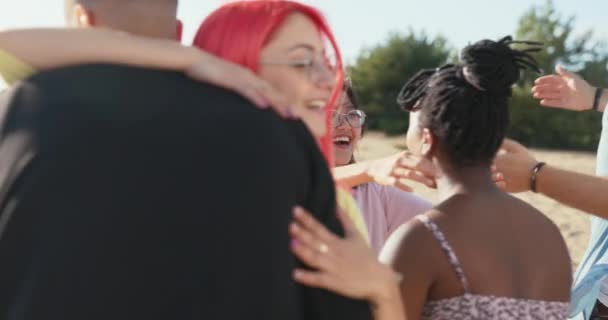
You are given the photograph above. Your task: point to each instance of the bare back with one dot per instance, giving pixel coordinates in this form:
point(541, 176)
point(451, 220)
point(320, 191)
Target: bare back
point(505, 246)
point(505, 250)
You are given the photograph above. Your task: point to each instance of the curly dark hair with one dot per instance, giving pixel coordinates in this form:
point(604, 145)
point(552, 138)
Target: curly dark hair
point(465, 106)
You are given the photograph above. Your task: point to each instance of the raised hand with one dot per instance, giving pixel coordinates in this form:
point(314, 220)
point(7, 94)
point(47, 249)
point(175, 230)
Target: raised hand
point(515, 163)
point(565, 90)
point(400, 169)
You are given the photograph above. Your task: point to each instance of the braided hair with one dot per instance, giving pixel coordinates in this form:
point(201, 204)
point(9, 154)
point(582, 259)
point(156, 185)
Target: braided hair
point(465, 106)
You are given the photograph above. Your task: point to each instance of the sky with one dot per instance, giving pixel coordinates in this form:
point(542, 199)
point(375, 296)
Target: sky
point(359, 24)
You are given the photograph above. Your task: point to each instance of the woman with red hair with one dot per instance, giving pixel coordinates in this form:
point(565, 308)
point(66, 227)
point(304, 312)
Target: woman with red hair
point(282, 42)
point(273, 39)
point(297, 77)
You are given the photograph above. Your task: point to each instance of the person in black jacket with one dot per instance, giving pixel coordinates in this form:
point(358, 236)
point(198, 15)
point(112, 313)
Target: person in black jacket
point(124, 195)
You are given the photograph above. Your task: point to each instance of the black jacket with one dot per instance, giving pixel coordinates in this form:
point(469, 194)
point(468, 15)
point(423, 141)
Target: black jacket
point(139, 194)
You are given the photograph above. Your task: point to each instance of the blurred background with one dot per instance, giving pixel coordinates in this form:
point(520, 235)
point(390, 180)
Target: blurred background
point(384, 42)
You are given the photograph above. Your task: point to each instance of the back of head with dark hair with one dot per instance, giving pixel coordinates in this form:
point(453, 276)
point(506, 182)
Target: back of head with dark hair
point(465, 106)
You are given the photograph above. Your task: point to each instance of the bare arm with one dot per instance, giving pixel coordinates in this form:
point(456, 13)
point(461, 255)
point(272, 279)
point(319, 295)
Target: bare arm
point(353, 175)
point(54, 47)
point(49, 48)
point(396, 170)
point(567, 90)
point(584, 192)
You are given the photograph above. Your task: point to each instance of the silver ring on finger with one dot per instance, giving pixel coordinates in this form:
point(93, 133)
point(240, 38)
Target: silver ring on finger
point(323, 248)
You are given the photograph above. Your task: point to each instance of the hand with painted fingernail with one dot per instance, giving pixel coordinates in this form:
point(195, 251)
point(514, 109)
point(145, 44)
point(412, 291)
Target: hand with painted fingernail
point(343, 265)
point(222, 73)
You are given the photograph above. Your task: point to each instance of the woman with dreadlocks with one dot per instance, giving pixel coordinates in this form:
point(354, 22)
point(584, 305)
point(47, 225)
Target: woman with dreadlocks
point(480, 253)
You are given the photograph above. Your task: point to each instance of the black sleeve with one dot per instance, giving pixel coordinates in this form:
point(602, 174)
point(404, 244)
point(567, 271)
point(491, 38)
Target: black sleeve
point(146, 196)
point(318, 303)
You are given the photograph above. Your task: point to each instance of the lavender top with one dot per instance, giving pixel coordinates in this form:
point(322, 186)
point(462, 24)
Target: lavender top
point(385, 208)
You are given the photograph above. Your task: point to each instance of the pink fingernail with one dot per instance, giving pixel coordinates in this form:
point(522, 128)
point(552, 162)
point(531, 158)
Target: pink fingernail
point(290, 113)
point(297, 211)
point(294, 243)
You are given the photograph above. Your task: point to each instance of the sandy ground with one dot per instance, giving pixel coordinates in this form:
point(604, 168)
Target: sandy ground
point(573, 224)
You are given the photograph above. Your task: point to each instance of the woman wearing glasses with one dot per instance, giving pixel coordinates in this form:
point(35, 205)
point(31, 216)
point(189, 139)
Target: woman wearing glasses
point(286, 67)
point(384, 207)
point(480, 253)
point(267, 80)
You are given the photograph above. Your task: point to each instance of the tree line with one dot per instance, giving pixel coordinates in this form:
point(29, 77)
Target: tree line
point(379, 72)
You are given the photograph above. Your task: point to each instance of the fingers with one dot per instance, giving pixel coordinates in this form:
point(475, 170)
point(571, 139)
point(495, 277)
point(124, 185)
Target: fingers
point(498, 177)
point(384, 180)
point(402, 185)
point(310, 224)
point(420, 164)
point(413, 175)
point(309, 249)
point(273, 98)
point(548, 92)
point(550, 80)
point(242, 80)
point(502, 185)
point(252, 95)
point(314, 279)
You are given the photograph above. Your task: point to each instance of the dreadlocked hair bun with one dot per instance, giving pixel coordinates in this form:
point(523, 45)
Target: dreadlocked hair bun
point(495, 67)
point(465, 105)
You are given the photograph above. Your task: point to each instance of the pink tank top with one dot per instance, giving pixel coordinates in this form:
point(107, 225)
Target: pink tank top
point(473, 306)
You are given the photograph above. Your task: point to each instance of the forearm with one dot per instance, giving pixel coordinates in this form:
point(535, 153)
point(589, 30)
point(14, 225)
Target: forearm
point(390, 308)
point(51, 48)
point(352, 175)
point(583, 192)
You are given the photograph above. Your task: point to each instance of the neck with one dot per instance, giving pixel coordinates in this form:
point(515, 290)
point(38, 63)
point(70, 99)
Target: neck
point(464, 180)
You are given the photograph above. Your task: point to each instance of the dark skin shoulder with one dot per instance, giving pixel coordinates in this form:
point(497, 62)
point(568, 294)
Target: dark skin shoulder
point(505, 247)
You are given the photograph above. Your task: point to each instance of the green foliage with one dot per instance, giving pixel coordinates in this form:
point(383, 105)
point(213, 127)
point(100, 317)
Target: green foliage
point(550, 128)
point(379, 73)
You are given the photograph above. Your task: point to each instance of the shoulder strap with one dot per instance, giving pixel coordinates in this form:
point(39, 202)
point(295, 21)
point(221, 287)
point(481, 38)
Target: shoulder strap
point(446, 248)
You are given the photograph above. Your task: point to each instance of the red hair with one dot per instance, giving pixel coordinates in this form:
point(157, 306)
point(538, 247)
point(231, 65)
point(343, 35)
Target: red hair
point(238, 32)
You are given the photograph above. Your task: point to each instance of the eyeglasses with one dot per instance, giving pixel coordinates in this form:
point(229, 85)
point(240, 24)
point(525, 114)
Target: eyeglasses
point(355, 118)
point(317, 67)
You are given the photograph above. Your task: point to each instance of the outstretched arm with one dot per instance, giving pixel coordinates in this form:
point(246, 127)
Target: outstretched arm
point(396, 170)
point(57, 47)
point(567, 90)
point(584, 192)
point(48, 48)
